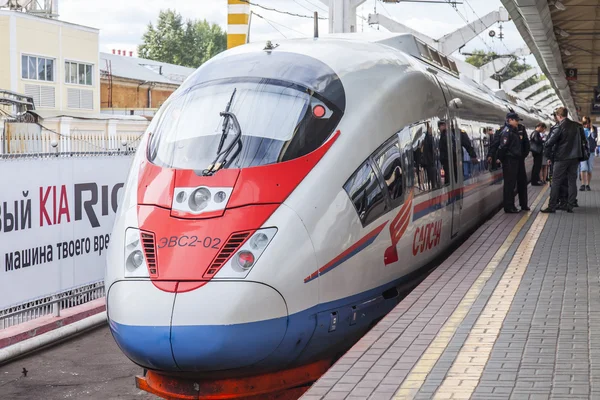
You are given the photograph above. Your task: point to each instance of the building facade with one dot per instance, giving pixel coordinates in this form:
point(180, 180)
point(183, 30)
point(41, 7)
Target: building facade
point(54, 62)
point(131, 85)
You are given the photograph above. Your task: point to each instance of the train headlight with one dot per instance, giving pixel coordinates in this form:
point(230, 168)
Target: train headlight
point(220, 196)
point(135, 262)
point(259, 241)
point(247, 255)
point(245, 259)
point(199, 199)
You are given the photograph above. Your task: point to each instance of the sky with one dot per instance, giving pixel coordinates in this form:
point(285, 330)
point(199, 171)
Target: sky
point(122, 23)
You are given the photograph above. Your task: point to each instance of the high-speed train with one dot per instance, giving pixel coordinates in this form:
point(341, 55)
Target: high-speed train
point(284, 193)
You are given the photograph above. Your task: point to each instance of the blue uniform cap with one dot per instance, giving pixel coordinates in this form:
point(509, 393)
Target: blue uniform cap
point(512, 115)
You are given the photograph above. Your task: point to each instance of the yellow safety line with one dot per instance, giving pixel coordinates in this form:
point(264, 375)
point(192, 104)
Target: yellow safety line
point(464, 375)
point(416, 378)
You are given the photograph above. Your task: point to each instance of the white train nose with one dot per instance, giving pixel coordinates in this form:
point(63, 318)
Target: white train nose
point(227, 325)
point(139, 315)
point(219, 326)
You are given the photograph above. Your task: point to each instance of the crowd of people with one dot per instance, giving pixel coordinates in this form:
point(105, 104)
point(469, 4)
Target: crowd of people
point(559, 156)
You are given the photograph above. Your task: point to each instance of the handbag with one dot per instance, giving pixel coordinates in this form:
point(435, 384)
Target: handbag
point(536, 148)
point(585, 151)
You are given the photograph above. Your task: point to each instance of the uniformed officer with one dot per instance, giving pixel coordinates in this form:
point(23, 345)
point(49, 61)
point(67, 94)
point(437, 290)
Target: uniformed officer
point(522, 173)
point(512, 150)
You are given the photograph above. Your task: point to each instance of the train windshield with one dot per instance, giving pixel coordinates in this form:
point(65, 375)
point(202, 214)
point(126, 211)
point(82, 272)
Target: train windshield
point(279, 121)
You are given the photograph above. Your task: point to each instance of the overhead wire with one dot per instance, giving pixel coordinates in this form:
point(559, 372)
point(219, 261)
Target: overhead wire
point(283, 26)
point(269, 22)
point(306, 8)
point(386, 10)
point(317, 5)
point(450, 3)
point(534, 70)
point(279, 11)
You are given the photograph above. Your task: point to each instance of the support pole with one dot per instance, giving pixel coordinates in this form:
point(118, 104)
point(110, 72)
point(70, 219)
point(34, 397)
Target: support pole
point(316, 24)
point(342, 15)
point(238, 20)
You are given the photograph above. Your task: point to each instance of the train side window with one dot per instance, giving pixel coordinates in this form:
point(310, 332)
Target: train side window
point(389, 162)
point(426, 157)
point(366, 194)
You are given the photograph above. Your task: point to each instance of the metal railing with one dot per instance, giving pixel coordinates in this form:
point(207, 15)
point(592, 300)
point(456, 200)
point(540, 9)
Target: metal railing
point(33, 139)
point(50, 305)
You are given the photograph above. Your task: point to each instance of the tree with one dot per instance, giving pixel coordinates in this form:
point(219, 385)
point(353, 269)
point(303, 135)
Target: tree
point(479, 58)
point(190, 43)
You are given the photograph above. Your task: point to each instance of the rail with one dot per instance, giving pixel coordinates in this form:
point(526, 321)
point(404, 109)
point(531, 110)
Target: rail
point(26, 139)
point(50, 305)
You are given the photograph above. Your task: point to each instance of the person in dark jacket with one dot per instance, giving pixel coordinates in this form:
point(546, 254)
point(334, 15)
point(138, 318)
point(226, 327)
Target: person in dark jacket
point(549, 153)
point(569, 146)
point(444, 154)
point(512, 150)
point(537, 149)
point(428, 160)
point(492, 155)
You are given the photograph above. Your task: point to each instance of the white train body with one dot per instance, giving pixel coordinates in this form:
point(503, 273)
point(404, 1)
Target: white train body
point(325, 266)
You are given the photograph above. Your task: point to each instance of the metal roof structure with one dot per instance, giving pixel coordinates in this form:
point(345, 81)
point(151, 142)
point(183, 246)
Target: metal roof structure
point(562, 34)
point(144, 70)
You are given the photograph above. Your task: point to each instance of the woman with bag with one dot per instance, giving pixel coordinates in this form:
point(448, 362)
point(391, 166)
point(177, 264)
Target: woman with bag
point(586, 166)
point(537, 149)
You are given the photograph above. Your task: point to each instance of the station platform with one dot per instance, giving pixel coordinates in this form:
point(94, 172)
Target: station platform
point(514, 313)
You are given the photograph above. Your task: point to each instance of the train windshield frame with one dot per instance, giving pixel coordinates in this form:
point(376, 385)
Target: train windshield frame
point(279, 120)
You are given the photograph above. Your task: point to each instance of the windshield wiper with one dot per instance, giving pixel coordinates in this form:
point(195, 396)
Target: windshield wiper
point(222, 159)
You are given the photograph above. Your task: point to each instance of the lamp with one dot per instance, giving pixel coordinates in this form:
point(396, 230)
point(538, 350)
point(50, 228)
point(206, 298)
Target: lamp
point(567, 52)
point(559, 5)
point(563, 33)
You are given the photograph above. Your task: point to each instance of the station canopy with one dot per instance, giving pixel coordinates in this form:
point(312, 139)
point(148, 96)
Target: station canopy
point(564, 36)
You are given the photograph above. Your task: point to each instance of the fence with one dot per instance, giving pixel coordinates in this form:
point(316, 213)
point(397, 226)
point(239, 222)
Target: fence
point(50, 305)
point(69, 136)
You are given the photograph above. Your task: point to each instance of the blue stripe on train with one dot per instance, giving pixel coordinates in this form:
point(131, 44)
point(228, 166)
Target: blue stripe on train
point(263, 345)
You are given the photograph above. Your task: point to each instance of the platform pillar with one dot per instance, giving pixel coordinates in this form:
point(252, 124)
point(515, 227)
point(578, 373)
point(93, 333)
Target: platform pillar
point(342, 15)
point(238, 16)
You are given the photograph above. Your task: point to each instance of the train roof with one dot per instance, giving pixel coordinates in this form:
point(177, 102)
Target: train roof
point(350, 53)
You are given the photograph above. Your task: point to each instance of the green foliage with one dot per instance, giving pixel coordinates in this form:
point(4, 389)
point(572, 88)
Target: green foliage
point(190, 43)
point(479, 58)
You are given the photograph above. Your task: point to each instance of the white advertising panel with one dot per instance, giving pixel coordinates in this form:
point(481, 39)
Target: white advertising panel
point(56, 216)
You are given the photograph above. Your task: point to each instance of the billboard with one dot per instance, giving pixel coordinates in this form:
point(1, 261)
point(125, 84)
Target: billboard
point(56, 216)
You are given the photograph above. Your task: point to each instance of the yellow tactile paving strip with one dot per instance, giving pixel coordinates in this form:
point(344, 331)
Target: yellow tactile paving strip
point(415, 380)
point(464, 375)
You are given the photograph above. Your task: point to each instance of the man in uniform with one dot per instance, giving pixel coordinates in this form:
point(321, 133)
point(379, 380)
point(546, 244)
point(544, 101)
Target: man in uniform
point(513, 147)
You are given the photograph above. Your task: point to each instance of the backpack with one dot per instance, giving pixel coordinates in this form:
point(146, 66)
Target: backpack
point(592, 142)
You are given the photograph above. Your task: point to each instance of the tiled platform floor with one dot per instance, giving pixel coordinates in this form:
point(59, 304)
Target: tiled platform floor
point(513, 314)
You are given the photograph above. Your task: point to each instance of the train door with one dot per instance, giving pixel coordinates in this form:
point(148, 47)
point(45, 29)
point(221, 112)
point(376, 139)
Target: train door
point(456, 177)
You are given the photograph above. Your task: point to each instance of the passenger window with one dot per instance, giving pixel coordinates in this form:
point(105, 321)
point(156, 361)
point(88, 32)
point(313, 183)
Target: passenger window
point(426, 158)
point(390, 165)
point(444, 153)
point(469, 169)
point(366, 194)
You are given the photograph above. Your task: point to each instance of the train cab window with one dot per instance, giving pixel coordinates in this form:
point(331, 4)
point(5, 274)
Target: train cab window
point(366, 194)
point(269, 121)
point(389, 162)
